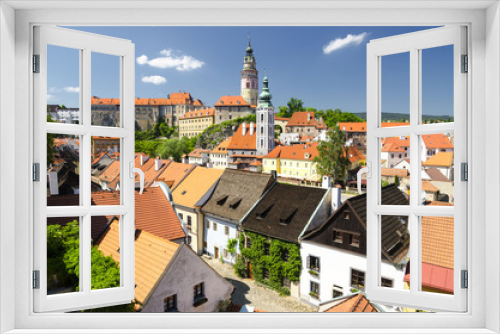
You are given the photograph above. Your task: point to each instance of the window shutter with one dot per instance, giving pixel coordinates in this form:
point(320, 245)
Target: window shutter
point(309, 262)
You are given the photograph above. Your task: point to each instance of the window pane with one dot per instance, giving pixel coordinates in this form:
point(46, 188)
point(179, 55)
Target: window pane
point(437, 84)
point(395, 87)
point(63, 170)
point(63, 85)
point(105, 252)
point(437, 254)
point(63, 254)
point(395, 170)
point(105, 90)
point(105, 169)
point(395, 245)
point(437, 169)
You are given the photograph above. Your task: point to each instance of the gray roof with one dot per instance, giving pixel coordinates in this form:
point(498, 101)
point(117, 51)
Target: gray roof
point(284, 211)
point(436, 175)
point(236, 193)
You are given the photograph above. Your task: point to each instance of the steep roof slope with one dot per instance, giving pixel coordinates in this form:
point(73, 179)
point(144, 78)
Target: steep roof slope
point(305, 118)
point(284, 211)
point(440, 159)
point(353, 303)
point(195, 185)
point(152, 256)
point(245, 141)
point(236, 192)
point(174, 173)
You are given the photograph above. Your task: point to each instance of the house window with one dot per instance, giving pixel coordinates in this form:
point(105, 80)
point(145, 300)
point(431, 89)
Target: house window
point(226, 230)
point(266, 249)
point(338, 237)
point(285, 255)
point(357, 279)
point(347, 215)
point(265, 273)
point(215, 226)
point(354, 240)
point(199, 291)
point(208, 224)
point(313, 262)
point(224, 252)
point(170, 304)
point(248, 242)
point(338, 291)
point(314, 289)
point(386, 282)
point(205, 245)
point(189, 222)
point(181, 216)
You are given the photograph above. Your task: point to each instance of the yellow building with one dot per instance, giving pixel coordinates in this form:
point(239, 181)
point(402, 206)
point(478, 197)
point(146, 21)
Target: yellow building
point(189, 196)
point(193, 123)
point(294, 161)
point(105, 144)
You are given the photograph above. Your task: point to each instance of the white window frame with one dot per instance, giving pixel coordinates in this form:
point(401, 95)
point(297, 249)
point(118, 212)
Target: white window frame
point(86, 44)
point(413, 43)
point(15, 37)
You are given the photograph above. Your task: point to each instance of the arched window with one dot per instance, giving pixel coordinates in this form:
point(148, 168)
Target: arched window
point(262, 117)
point(261, 130)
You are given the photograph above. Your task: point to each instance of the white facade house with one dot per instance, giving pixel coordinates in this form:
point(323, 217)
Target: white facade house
point(336, 269)
point(265, 121)
point(216, 233)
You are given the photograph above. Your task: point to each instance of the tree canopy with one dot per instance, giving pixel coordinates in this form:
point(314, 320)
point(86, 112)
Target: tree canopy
point(331, 159)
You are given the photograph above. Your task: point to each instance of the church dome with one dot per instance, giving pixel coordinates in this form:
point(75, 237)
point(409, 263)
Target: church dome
point(265, 97)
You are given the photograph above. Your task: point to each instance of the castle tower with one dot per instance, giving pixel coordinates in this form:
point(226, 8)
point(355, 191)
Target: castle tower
point(249, 78)
point(265, 121)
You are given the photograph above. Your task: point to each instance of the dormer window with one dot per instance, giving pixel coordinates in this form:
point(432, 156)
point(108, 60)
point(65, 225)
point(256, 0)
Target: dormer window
point(287, 214)
point(347, 215)
point(235, 203)
point(338, 237)
point(221, 200)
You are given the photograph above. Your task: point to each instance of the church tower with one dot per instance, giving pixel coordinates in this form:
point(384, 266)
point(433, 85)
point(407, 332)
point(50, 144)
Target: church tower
point(249, 78)
point(265, 121)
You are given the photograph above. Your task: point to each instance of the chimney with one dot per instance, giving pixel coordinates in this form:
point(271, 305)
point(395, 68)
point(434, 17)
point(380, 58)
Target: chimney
point(336, 198)
point(53, 183)
point(251, 128)
point(144, 159)
point(244, 128)
point(274, 174)
point(308, 117)
point(327, 182)
point(157, 164)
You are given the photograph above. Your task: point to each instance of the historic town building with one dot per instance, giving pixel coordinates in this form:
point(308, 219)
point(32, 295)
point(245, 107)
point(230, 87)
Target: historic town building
point(249, 78)
point(265, 122)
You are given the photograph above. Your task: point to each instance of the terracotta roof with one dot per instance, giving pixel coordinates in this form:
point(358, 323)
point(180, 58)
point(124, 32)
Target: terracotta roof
point(284, 211)
point(151, 174)
point(361, 126)
point(427, 186)
point(244, 142)
point(152, 255)
point(181, 98)
point(256, 163)
point(354, 155)
point(438, 141)
point(153, 212)
point(175, 99)
point(436, 175)
point(97, 100)
point(111, 172)
point(197, 102)
point(198, 113)
point(300, 119)
point(222, 147)
point(98, 157)
point(196, 153)
point(440, 159)
point(400, 172)
point(285, 119)
point(437, 252)
point(297, 152)
point(195, 185)
point(397, 140)
point(353, 303)
point(175, 172)
point(228, 100)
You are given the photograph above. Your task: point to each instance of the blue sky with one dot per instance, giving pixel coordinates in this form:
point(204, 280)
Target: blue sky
point(323, 66)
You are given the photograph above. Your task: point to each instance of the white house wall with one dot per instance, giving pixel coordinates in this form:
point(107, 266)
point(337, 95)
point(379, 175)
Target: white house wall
point(186, 271)
point(335, 269)
point(218, 238)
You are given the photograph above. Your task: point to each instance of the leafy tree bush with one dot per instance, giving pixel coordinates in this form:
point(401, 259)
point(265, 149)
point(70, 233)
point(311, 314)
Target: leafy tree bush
point(274, 263)
point(175, 148)
point(331, 159)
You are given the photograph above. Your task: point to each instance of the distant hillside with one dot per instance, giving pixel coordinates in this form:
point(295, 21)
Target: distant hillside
point(398, 117)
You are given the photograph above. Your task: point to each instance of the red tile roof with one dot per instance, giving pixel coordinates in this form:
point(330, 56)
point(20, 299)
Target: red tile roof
point(361, 126)
point(111, 172)
point(228, 100)
point(198, 113)
point(300, 119)
point(175, 99)
point(354, 303)
point(244, 142)
point(222, 147)
point(399, 172)
point(437, 141)
point(429, 187)
point(197, 153)
point(296, 152)
point(354, 155)
point(440, 159)
point(174, 173)
point(153, 212)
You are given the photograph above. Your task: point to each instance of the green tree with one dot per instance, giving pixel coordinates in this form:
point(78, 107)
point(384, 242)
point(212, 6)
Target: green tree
point(333, 117)
point(174, 148)
point(149, 147)
point(231, 246)
point(292, 106)
point(331, 159)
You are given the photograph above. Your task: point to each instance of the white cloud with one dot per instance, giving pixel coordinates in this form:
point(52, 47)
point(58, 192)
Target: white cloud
point(340, 43)
point(54, 90)
point(51, 98)
point(72, 89)
point(180, 63)
point(154, 79)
